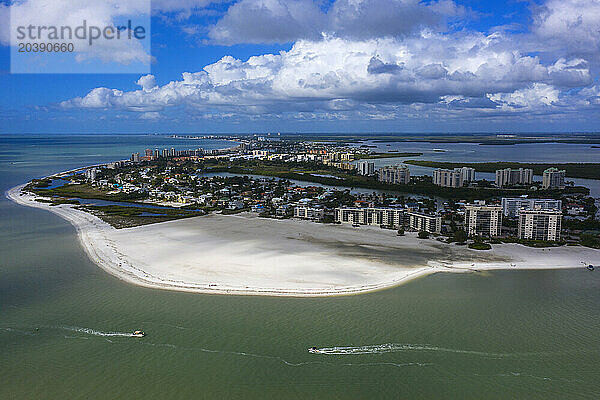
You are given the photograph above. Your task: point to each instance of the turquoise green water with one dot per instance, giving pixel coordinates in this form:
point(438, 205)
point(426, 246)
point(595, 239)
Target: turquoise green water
point(501, 335)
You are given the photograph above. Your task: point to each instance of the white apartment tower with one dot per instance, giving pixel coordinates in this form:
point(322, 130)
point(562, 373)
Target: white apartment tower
point(540, 224)
point(91, 174)
point(397, 174)
point(366, 167)
point(448, 177)
point(508, 177)
point(511, 206)
point(482, 220)
point(553, 179)
point(467, 173)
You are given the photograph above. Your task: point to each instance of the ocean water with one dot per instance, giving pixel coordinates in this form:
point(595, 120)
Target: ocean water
point(474, 152)
point(65, 324)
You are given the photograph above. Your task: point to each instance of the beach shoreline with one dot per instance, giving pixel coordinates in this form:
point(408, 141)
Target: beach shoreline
point(247, 255)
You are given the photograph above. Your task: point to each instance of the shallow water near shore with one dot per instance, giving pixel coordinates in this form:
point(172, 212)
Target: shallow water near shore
point(497, 335)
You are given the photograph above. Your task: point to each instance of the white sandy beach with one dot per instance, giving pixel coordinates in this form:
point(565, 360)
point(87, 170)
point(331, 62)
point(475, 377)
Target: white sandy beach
point(244, 254)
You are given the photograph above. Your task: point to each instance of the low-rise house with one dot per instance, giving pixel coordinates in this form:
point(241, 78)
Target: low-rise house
point(276, 201)
point(235, 205)
point(282, 210)
point(574, 209)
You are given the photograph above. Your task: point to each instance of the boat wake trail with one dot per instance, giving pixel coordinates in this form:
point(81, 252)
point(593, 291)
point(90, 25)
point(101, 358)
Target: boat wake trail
point(94, 332)
point(398, 347)
point(284, 361)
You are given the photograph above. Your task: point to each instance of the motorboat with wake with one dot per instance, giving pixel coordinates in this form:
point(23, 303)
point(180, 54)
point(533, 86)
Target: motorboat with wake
point(138, 334)
point(314, 350)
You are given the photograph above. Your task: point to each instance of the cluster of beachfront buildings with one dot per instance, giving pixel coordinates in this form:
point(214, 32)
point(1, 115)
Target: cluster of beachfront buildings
point(537, 219)
point(150, 155)
point(540, 222)
point(392, 218)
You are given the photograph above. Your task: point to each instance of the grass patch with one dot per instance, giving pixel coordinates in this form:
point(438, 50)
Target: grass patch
point(87, 191)
point(127, 217)
point(38, 184)
point(480, 246)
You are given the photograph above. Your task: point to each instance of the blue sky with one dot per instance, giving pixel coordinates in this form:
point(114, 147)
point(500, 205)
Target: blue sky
point(337, 66)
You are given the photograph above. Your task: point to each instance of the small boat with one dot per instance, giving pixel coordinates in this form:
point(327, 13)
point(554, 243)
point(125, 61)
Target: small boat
point(138, 334)
point(314, 350)
point(590, 267)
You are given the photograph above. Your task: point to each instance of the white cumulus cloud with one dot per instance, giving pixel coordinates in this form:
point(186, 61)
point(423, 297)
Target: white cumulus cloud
point(538, 94)
point(571, 27)
point(342, 75)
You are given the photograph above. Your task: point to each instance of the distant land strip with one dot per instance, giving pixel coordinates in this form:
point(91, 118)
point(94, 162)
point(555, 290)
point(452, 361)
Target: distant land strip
point(574, 170)
point(385, 155)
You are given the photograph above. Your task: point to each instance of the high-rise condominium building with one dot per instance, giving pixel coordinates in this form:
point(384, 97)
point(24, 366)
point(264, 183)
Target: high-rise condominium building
point(511, 206)
point(448, 177)
point(553, 179)
point(397, 174)
point(366, 167)
point(467, 173)
point(92, 173)
point(540, 224)
point(508, 177)
point(482, 220)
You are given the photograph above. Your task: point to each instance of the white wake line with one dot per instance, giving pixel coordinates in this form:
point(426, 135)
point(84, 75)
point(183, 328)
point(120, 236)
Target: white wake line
point(94, 332)
point(284, 361)
point(400, 347)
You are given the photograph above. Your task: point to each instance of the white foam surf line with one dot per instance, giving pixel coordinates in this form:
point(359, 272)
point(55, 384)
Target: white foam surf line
point(398, 347)
point(94, 332)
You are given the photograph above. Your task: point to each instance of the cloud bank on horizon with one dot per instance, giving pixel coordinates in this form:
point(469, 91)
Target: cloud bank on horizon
point(375, 60)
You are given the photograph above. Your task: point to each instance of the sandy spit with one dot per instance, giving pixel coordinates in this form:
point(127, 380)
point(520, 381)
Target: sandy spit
point(246, 255)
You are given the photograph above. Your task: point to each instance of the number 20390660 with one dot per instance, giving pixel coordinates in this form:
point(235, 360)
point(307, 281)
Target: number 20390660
point(46, 47)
